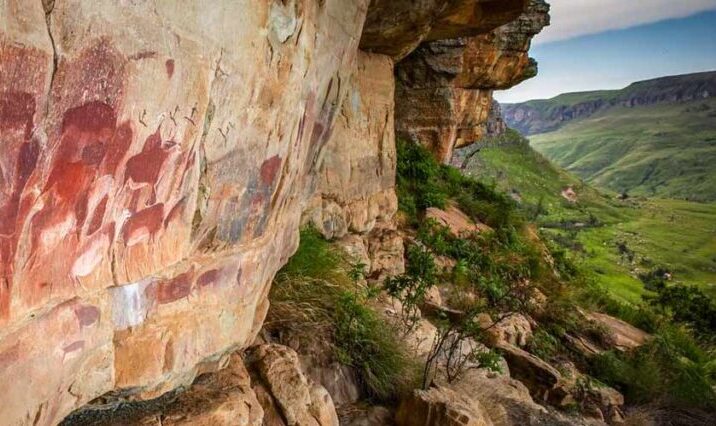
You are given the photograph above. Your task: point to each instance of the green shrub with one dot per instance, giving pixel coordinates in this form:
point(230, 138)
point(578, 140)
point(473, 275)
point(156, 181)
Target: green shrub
point(421, 264)
point(670, 368)
point(544, 345)
point(688, 305)
point(315, 258)
point(422, 182)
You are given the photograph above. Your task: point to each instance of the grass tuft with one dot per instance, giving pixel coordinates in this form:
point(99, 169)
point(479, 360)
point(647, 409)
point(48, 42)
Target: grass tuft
point(315, 298)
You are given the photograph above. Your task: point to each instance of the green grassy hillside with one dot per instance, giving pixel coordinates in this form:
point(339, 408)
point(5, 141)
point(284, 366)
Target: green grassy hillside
point(663, 150)
point(616, 239)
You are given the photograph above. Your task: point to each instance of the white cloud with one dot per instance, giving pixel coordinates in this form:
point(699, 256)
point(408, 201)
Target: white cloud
point(573, 18)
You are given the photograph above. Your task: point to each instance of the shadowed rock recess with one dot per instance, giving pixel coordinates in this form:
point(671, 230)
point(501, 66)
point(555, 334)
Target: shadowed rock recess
point(157, 159)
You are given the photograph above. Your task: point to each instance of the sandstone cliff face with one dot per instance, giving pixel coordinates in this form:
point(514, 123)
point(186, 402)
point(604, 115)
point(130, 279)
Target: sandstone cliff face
point(446, 86)
point(156, 158)
point(356, 180)
point(396, 27)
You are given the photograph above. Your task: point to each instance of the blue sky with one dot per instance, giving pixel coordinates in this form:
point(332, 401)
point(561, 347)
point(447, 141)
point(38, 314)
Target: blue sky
point(612, 59)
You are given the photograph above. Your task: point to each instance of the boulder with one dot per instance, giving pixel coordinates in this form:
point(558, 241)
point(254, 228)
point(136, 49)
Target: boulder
point(455, 220)
point(595, 400)
point(620, 334)
point(386, 252)
point(354, 246)
point(221, 398)
point(441, 406)
point(433, 296)
point(340, 381)
point(514, 329)
point(300, 401)
point(507, 401)
point(539, 377)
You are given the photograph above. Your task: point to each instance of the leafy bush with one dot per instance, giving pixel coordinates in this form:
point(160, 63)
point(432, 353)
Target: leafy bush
point(670, 368)
point(688, 305)
point(497, 267)
point(544, 345)
point(422, 182)
point(454, 350)
point(315, 258)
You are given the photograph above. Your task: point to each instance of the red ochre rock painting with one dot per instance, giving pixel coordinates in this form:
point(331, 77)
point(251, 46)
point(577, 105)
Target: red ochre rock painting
point(169, 65)
point(22, 75)
point(176, 288)
point(97, 264)
point(88, 168)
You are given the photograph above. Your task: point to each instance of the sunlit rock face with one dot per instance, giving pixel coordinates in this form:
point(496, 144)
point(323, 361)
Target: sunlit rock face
point(155, 157)
point(396, 27)
point(446, 85)
point(356, 180)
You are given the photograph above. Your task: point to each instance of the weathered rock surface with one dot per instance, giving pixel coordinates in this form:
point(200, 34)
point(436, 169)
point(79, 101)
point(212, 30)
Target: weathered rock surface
point(514, 329)
point(621, 335)
point(455, 220)
point(367, 416)
point(165, 151)
point(507, 401)
point(275, 392)
point(441, 406)
point(386, 252)
point(300, 401)
point(500, 59)
point(539, 377)
point(357, 169)
point(445, 86)
point(396, 27)
point(221, 398)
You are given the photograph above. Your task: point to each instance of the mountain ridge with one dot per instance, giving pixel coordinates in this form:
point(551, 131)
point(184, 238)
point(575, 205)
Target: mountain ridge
point(545, 115)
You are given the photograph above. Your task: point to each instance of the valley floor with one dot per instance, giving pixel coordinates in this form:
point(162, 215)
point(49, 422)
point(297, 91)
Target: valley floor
point(617, 239)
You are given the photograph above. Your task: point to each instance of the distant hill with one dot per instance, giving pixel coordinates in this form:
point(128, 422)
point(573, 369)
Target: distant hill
point(676, 234)
point(545, 115)
point(654, 138)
